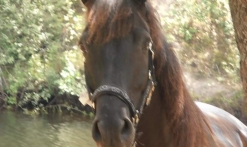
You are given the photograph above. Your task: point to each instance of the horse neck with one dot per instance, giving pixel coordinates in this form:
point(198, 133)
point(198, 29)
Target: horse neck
point(173, 122)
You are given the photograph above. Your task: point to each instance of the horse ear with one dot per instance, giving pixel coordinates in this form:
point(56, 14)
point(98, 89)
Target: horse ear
point(84, 1)
point(88, 3)
point(140, 2)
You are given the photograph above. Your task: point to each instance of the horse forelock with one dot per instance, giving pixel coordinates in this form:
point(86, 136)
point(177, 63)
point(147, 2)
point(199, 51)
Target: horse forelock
point(109, 19)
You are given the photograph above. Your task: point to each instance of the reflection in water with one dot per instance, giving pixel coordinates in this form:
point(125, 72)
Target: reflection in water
point(18, 130)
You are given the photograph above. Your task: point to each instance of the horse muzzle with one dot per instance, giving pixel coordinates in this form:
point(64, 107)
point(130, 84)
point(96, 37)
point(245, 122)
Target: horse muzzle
point(112, 126)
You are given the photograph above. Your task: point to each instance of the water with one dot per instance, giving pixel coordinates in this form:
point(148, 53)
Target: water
point(19, 130)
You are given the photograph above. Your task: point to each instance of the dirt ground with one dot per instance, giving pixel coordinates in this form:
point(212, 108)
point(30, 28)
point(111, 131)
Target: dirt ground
point(208, 87)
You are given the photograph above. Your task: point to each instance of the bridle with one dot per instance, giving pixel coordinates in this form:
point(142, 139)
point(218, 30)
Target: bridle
point(122, 94)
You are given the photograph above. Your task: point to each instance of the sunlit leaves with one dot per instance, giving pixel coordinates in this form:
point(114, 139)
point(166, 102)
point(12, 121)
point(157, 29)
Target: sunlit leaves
point(204, 36)
point(34, 38)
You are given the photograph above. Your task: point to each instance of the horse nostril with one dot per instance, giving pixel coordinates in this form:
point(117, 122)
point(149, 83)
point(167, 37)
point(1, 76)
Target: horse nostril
point(126, 129)
point(96, 132)
point(115, 130)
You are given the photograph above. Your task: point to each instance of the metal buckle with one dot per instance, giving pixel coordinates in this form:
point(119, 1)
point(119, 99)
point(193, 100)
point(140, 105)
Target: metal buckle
point(150, 94)
point(150, 46)
point(135, 119)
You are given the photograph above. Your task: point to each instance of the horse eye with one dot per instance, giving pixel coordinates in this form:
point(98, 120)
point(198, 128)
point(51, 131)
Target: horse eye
point(145, 46)
point(84, 49)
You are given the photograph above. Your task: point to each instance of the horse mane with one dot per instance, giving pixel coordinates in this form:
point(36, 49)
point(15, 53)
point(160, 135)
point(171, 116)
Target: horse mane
point(185, 120)
point(107, 20)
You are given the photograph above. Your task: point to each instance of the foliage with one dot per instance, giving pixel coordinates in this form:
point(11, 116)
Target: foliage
point(39, 48)
point(204, 37)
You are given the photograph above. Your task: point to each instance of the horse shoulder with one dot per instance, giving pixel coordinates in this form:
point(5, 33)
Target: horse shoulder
point(228, 129)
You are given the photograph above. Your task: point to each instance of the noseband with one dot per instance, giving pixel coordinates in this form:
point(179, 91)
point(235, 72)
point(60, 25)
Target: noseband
point(123, 96)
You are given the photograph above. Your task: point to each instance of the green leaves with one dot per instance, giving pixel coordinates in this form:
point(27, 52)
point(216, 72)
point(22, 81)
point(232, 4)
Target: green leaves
point(35, 37)
point(204, 35)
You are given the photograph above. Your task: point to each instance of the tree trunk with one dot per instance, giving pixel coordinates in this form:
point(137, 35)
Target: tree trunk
point(239, 18)
point(1, 90)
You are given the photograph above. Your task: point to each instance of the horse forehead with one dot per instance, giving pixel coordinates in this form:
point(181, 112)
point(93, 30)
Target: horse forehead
point(111, 5)
point(111, 2)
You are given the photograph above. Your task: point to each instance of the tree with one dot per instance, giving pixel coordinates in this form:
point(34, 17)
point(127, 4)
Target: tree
point(239, 17)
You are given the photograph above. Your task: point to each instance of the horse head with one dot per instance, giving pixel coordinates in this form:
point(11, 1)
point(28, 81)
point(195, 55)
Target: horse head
point(119, 70)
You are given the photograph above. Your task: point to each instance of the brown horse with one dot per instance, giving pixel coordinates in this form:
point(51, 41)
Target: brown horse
point(126, 57)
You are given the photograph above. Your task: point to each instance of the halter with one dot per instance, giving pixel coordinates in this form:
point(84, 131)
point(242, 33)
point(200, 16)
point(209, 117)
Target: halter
point(122, 94)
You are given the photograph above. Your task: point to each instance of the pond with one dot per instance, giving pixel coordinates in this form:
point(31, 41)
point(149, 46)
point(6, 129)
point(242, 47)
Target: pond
point(20, 130)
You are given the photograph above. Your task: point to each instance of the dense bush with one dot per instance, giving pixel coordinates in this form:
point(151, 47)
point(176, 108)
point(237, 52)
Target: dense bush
point(39, 54)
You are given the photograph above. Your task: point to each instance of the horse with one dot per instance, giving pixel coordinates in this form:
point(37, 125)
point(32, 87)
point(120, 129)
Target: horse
point(135, 81)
